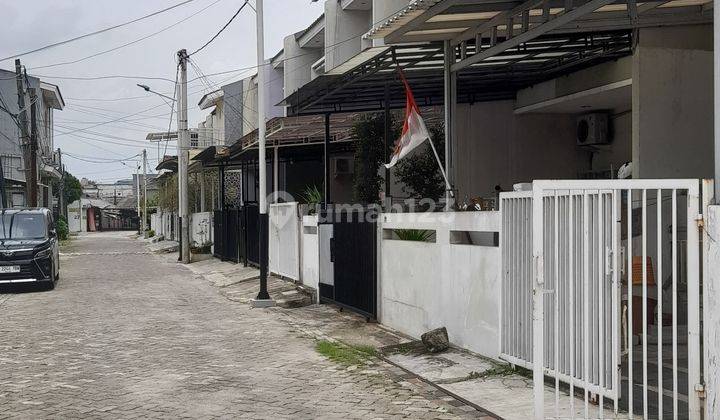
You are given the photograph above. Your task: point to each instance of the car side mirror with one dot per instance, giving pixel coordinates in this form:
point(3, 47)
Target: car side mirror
point(53, 233)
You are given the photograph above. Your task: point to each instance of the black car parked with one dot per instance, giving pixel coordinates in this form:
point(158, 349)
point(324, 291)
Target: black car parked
point(29, 251)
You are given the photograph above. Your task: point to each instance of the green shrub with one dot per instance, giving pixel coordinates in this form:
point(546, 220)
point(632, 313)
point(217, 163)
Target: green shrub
point(151, 233)
point(62, 228)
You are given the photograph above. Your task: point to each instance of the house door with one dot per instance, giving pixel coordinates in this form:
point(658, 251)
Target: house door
point(349, 278)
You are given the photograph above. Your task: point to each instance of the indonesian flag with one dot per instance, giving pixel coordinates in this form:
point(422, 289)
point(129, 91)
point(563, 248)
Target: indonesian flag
point(414, 130)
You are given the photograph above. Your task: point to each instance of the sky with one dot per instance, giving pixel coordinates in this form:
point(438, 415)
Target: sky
point(28, 25)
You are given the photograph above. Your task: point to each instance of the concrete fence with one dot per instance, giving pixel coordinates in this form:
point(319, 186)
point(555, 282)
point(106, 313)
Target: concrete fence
point(201, 228)
point(452, 279)
point(310, 253)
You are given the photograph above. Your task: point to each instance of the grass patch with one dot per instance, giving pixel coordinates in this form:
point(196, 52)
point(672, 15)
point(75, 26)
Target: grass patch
point(411, 347)
point(345, 355)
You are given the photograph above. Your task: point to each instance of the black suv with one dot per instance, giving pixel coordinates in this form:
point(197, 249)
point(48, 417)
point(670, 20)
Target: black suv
point(29, 251)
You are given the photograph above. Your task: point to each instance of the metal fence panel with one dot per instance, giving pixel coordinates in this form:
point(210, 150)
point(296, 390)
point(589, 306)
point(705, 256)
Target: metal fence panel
point(615, 292)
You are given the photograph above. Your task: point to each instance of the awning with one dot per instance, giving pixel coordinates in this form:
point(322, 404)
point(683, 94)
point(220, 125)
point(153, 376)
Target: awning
point(364, 87)
point(497, 48)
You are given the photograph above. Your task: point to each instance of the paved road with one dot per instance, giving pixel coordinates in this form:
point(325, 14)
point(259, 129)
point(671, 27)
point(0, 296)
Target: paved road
point(128, 334)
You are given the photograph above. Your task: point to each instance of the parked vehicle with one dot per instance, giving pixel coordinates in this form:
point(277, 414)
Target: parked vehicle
point(29, 251)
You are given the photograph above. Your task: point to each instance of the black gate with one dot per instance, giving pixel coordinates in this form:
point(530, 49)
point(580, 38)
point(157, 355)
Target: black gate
point(232, 234)
point(218, 234)
point(353, 258)
point(252, 234)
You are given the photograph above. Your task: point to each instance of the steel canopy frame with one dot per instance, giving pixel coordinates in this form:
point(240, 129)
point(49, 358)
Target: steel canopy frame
point(499, 77)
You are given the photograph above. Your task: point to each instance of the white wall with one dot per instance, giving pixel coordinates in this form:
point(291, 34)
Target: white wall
point(343, 30)
point(297, 64)
point(672, 110)
point(201, 228)
point(494, 146)
point(310, 253)
point(711, 316)
point(428, 285)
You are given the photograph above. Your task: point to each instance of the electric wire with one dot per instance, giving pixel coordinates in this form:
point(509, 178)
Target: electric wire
point(221, 29)
point(127, 44)
point(67, 41)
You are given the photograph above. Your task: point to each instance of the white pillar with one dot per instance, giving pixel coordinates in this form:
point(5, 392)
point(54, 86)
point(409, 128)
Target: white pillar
point(276, 173)
point(716, 87)
point(711, 316)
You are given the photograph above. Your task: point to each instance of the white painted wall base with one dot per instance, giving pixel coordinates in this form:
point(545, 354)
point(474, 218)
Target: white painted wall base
point(426, 285)
point(711, 315)
point(310, 254)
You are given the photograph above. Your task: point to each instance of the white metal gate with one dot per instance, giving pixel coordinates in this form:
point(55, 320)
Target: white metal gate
point(606, 255)
point(284, 240)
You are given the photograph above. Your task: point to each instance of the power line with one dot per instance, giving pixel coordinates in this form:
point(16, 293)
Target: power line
point(221, 29)
point(127, 44)
point(67, 41)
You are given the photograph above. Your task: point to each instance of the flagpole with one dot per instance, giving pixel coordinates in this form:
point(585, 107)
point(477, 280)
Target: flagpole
point(442, 171)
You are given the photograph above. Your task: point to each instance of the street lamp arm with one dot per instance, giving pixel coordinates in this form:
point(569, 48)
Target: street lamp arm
point(146, 88)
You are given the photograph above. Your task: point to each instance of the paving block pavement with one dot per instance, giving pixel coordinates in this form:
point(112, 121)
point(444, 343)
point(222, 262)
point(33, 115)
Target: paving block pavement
point(127, 334)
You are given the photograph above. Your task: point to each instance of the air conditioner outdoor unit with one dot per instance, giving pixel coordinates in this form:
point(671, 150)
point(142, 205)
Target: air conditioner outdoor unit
point(343, 166)
point(592, 129)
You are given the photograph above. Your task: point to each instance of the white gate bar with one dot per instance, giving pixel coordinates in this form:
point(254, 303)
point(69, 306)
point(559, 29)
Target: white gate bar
point(606, 184)
point(693, 292)
point(571, 253)
point(674, 304)
point(586, 297)
point(658, 283)
point(629, 316)
point(644, 303)
point(537, 307)
point(601, 300)
point(556, 303)
point(614, 306)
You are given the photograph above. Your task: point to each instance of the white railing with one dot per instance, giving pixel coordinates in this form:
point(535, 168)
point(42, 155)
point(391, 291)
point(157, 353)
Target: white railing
point(589, 280)
point(284, 240)
point(516, 248)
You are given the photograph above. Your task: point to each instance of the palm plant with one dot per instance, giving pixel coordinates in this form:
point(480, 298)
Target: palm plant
point(418, 235)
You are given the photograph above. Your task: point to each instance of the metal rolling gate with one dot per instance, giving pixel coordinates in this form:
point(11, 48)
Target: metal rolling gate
point(352, 261)
point(570, 249)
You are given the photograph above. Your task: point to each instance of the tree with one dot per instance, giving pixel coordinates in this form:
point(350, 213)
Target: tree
point(420, 172)
point(73, 189)
point(369, 130)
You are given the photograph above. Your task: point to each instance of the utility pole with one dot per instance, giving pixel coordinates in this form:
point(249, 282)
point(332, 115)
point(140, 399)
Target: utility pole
point(263, 298)
point(61, 193)
point(137, 189)
point(33, 181)
point(144, 217)
point(182, 146)
point(24, 136)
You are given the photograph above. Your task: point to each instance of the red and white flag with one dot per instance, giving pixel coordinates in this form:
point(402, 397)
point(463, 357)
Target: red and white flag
point(414, 130)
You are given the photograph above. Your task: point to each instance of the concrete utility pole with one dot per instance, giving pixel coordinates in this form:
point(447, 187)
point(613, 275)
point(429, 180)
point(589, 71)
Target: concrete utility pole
point(33, 179)
point(137, 189)
point(263, 298)
point(182, 147)
point(61, 193)
point(144, 217)
point(24, 136)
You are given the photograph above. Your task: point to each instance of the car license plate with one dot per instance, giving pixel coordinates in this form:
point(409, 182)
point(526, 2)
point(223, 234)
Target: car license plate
point(9, 268)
